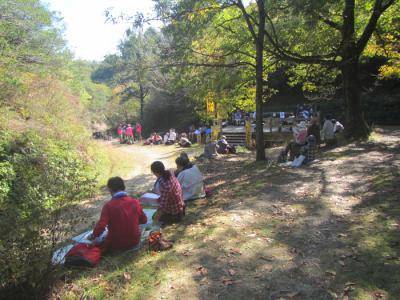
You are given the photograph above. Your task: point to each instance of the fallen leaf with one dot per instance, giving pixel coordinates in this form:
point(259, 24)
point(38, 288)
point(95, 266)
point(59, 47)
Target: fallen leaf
point(333, 273)
point(227, 281)
point(333, 294)
point(201, 271)
point(293, 294)
point(266, 258)
point(345, 297)
point(235, 251)
point(342, 263)
point(267, 267)
point(231, 272)
point(204, 281)
point(342, 235)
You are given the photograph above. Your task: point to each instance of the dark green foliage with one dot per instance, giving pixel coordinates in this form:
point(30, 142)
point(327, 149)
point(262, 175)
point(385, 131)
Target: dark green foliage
point(38, 177)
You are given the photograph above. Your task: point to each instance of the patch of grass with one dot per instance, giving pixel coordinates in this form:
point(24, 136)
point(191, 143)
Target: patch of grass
point(110, 161)
point(242, 150)
point(374, 137)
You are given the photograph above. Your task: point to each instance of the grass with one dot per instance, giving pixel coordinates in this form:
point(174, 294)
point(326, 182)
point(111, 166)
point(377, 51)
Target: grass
point(268, 233)
point(111, 161)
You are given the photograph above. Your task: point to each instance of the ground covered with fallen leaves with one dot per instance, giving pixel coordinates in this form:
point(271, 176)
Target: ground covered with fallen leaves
point(330, 230)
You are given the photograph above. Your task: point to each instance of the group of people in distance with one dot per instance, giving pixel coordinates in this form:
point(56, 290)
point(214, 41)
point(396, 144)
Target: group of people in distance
point(122, 215)
point(170, 138)
point(307, 140)
point(127, 134)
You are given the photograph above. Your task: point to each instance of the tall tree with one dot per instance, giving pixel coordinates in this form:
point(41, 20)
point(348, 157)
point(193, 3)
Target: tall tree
point(194, 15)
point(348, 27)
point(132, 68)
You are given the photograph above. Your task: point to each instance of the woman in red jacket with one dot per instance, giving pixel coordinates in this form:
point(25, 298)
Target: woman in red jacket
point(122, 216)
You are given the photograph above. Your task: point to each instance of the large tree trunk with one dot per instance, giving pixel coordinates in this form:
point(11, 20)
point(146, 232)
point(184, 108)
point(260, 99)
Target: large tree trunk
point(260, 147)
point(355, 123)
point(356, 127)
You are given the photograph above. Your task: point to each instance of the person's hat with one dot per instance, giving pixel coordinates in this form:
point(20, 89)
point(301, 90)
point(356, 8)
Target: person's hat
point(223, 137)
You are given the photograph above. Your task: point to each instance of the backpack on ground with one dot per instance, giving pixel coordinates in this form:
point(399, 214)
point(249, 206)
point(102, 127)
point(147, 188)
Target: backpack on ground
point(83, 255)
point(157, 242)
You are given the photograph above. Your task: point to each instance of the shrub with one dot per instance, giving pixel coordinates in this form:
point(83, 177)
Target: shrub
point(38, 178)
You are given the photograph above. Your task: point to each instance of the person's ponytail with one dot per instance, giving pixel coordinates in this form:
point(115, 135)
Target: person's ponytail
point(158, 167)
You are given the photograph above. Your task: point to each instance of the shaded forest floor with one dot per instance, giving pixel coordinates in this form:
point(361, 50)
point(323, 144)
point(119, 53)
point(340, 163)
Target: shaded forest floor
point(330, 230)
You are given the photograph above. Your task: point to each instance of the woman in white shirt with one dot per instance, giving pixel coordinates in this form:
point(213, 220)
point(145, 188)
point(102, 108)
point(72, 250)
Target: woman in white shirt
point(190, 178)
point(328, 131)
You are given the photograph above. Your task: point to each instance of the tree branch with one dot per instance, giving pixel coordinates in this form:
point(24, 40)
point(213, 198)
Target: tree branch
point(247, 18)
point(207, 65)
point(329, 22)
point(378, 10)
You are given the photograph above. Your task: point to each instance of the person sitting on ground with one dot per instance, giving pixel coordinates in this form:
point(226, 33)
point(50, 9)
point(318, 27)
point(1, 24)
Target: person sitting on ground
point(211, 150)
point(224, 147)
point(172, 137)
point(184, 141)
point(310, 150)
point(294, 146)
point(150, 140)
point(190, 178)
point(172, 207)
point(166, 138)
point(328, 131)
point(185, 157)
point(157, 140)
point(122, 216)
point(315, 130)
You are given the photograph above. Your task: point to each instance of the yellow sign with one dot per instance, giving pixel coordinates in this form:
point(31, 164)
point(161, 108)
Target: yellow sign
point(210, 106)
point(248, 133)
point(210, 103)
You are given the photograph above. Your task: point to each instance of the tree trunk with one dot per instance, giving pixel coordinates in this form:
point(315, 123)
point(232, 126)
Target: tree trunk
point(141, 101)
point(260, 148)
point(356, 127)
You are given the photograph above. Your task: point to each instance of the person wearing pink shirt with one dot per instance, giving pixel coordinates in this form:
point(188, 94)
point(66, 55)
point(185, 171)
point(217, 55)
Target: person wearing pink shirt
point(138, 129)
point(129, 134)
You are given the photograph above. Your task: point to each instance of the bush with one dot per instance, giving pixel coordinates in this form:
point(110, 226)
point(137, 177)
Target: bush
point(38, 178)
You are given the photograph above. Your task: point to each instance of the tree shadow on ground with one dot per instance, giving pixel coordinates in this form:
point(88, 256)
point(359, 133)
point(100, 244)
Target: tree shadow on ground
point(310, 251)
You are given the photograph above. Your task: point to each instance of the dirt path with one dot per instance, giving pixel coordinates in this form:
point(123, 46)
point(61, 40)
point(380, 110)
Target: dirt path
point(137, 182)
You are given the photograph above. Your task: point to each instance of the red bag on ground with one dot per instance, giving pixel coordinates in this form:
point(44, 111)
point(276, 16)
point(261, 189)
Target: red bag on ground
point(83, 255)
